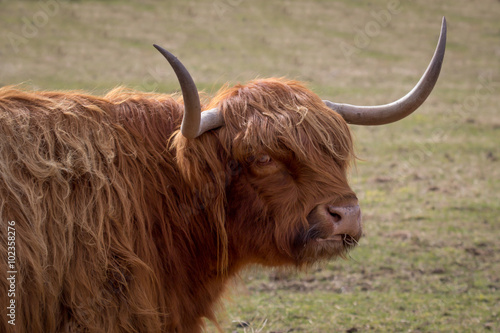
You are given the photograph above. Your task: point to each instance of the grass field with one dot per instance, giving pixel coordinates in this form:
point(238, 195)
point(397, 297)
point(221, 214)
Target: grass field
point(429, 185)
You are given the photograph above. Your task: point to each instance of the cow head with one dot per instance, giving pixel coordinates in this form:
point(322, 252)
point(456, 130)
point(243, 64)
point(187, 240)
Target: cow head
point(287, 155)
point(292, 154)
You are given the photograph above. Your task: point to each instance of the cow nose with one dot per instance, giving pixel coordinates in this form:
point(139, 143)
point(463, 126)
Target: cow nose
point(346, 220)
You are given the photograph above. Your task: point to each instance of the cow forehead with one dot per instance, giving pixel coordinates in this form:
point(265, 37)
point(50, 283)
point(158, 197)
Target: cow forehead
point(274, 116)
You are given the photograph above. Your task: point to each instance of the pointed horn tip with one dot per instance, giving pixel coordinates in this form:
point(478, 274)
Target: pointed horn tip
point(158, 47)
point(444, 27)
point(442, 38)
point(169, 56)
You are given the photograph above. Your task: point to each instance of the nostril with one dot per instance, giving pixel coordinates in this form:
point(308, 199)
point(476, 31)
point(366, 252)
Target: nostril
point(336, 217)
point(334, 213)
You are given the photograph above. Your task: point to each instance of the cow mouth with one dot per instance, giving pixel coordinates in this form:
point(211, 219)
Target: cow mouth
point(316, 249)
point(348, 241)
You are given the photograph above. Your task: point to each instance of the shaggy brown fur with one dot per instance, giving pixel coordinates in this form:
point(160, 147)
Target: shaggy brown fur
point(124, 225)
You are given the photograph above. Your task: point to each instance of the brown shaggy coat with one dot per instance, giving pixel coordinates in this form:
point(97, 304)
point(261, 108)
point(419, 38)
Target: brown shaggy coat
point(124, 225)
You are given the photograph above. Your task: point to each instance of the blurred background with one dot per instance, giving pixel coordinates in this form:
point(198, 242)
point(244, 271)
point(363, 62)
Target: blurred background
point(428, 185)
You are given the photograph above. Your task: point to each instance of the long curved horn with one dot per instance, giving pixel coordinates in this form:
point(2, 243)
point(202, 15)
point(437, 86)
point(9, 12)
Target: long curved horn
point(194, 122)
point(388, 113)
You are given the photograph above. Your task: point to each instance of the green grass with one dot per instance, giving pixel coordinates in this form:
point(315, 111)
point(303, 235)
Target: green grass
point(388, 311)
point(428, 185)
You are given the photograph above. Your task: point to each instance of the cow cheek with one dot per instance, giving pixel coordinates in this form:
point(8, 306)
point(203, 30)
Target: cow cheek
point(254, 234)
point(245, 219)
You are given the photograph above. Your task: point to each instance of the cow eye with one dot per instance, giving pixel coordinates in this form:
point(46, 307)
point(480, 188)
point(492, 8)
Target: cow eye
point(263, 159)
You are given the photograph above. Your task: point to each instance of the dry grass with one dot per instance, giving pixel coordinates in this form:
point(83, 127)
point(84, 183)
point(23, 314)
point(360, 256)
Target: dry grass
point(429, 185)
